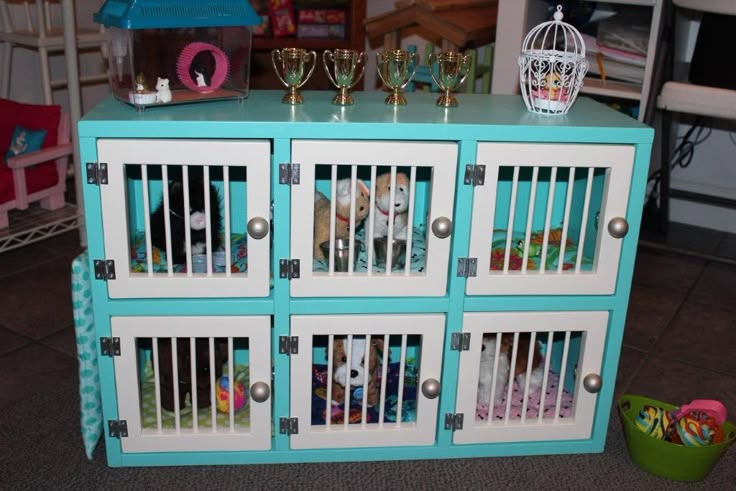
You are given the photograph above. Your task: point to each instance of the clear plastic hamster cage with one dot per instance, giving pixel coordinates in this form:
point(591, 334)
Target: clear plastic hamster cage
point(166, 52)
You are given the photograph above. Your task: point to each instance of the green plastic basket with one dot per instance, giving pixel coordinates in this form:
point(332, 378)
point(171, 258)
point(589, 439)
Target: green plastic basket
point(666, 459)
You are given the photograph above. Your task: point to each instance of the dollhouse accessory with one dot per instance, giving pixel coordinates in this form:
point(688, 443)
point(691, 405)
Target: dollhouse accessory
point(289, 64)
point(552, 66)
point(163, 93)
point(452, 69)
point(396, 68)
point(141, 95)
point(184, 67)
point(342, 208)
point(344, 65)
point(223, 395)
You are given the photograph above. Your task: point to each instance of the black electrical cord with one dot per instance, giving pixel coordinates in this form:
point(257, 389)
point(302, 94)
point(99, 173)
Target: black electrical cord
point(683, 153)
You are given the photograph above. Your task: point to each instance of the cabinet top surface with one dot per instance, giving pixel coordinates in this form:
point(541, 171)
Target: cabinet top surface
point(262, 115)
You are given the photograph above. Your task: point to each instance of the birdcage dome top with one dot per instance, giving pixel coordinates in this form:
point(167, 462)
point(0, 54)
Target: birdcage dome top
point(554, 39)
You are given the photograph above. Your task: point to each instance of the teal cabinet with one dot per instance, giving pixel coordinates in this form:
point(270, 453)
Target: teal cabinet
point(317, 283)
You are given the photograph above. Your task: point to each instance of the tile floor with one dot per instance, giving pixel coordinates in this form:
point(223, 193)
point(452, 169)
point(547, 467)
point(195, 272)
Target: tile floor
point(679, 342)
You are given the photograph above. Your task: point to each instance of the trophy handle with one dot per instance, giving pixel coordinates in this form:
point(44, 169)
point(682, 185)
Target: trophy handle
point(364, 58)
point(276, 53)
point(466, 64)
point(412, 56)
point(379, 64)
point(430, 61)
point(313, 54)
point(325, 55)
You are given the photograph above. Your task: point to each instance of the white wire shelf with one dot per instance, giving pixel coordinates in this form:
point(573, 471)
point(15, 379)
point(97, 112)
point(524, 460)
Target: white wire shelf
point(35, 223)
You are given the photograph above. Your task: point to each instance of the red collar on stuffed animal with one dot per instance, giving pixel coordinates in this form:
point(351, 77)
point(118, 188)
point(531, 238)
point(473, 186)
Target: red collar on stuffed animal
point(342, 218)
point(382, 211)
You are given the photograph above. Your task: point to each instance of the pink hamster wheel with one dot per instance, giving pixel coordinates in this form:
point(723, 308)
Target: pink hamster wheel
point(184, 62)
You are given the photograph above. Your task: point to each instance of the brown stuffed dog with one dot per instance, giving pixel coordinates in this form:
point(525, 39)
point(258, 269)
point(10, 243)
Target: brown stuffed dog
point(383, 205)
point(342, 211)
point(166, 375)
point(353, 376)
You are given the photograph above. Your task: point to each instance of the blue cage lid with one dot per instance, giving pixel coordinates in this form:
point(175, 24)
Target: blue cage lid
point(154, 14)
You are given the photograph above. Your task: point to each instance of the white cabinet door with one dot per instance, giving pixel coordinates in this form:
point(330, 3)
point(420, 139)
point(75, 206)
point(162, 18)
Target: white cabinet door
point(137, 168)
point(153, 372)
point(569, 349)
point(424, 180)
point(540, 221)
point(392, 403)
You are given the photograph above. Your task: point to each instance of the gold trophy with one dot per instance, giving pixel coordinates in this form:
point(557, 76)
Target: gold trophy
point(291, 62)
point(453, 69)
point(396, 68)
point(344, 62)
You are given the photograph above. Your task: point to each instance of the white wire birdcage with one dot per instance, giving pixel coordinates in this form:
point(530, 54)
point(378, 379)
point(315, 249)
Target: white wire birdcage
point(552, 66)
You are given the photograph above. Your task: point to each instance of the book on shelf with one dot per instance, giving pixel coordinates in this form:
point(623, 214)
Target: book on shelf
point(607, 68)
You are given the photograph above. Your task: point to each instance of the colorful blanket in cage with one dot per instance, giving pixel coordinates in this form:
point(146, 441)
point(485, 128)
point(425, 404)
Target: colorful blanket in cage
point(139, 258)
point(408, 403)
point(534, 255)
point(204, 415)
point(532, 408)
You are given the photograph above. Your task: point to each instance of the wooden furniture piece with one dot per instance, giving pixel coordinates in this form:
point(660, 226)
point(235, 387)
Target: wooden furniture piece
point(682, 96)
point(517, 17)
point(487, 182)
point(36, 176)
point(37, 31)
point(450, 28)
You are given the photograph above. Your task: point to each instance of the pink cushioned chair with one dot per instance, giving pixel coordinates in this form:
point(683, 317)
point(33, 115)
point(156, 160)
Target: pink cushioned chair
point(35, 175)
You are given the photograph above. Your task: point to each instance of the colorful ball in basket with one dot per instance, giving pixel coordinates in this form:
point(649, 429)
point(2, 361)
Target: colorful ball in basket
point(653, 421)
point(223, 395)
point(184, 67)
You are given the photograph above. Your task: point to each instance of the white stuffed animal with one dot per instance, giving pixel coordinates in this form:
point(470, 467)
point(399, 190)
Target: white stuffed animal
point(163, 93)
point(400, 205)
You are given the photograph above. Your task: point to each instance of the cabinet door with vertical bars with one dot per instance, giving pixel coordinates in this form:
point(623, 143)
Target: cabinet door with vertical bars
point(199, 383)
point(549, 218)
point(372, 218)
point(186, 218)
point(366, 380)
point(530, 376)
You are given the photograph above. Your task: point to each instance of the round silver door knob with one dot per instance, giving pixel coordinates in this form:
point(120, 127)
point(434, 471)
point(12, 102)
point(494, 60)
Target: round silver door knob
point(431, 388)
point(618, 227)
point(593, 383)
point(258, 227)
point(260, 392)
point(442, 227)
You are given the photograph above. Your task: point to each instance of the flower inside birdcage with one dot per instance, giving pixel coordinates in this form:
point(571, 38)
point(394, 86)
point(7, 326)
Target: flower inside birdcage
point(552, 66)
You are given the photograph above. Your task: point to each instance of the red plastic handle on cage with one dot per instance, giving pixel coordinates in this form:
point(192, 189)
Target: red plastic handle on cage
point(714, 408)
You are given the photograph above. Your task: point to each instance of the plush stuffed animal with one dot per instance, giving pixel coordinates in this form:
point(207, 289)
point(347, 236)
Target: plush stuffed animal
point(352, 377)
point(184, 370)
point(163, 93)
point(487, 362)
point(342, 211)
point(400, 205)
